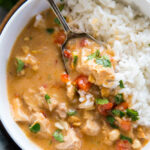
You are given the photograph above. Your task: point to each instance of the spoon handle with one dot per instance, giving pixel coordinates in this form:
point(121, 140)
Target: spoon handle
point(60, 17)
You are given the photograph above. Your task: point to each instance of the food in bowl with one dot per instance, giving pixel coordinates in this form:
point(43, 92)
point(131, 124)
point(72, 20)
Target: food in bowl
point(103, 103)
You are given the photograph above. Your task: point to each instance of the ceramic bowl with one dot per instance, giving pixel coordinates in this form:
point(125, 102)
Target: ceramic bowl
point(8, 36)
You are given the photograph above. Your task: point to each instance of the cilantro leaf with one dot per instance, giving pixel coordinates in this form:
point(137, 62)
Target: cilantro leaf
point(61, 7)
point(75, 59)
point(71, 112)
point(121, 84)
point(50, 30)
point(133, 114)
point(104, 61)
point(58, 136)
point(111, 120)
point(35, 128)
point(56, 20)
point(20, 65)
point(122, 137)
point(102, 101)
point(94, 55)
point(47, 98)
point(119, 98)
point(118, 113)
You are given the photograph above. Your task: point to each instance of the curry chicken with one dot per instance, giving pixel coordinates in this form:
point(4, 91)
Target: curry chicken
point(78, 110)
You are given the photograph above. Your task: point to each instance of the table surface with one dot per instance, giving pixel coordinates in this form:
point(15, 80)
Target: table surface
point(6, 142)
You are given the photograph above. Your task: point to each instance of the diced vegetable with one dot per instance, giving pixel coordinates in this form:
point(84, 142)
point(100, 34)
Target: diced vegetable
point(125, 125)
point(122, 137)
point(61, 7)
point(67, 53)
point(119, 113)
point(58, 136)
point(47, 98)
point(104, 61)
point(133, 114)
point(20, 65)
point(50, 30)
point(65, 78)
point(83, 83)
point(101, 101)
point(123, 145)
point(119, 98)
point(60, 37)
point(84, 42)
point(71, 112)
point(121, 84)
point(35, 128)
point(56, 20)
point(75, 59)
point(104, 109)
point(122, 106)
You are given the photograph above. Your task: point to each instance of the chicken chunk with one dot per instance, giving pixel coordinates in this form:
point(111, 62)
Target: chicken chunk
point(45, 127)
point(70, 90)
point(71, 141)
point(53, 104)
point(62, 110)
point(39, 22)
point(91, 128)
point(19, 112)
point(101, 76)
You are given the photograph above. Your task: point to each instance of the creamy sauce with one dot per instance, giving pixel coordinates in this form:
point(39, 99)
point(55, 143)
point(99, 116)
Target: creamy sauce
point(50, 68)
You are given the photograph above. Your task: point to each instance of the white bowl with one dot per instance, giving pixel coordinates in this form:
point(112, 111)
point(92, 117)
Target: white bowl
point(7, 39)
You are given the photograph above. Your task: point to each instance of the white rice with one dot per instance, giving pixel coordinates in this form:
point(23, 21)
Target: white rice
point(115, 23)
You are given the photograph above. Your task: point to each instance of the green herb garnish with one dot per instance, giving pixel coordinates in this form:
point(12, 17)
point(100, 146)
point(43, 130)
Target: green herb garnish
point(47, 98)
point(50, 30)
point(104, 61)
point(101, 101)
point(148, 44)
point(119, 98)
point(20, 65)
point(133, 114)
point(75, 59)
point(71, 112)
point(35, 128)
point(118, 113)
point(111, 121)
point(61, 7)
point(122, 137)
point(58, 136)
point(94, 55)
point(57, 21)
point(121, 84)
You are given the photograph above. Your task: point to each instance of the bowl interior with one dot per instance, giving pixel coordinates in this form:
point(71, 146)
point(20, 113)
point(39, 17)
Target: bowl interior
point(7, 40)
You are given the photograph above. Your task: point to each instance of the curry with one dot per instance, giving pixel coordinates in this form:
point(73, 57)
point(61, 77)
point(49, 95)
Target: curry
point(74, 111)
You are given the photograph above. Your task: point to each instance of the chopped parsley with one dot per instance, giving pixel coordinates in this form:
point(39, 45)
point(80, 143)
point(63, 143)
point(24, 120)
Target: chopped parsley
point(103, 61)
point(102, 101)
point(133, 114)
point(47, 98)
point(94, 55)
point(119, 98)
point(50, 30)
point(119, 113)
point(121, 84)
point(71, 112)
point(122, 137)
point(58, 136)
point(56, 20)
point(111, 120)
point(61, 7)
point(35, 128)
point(75, 59)
point(20, 65)
point(149, 44)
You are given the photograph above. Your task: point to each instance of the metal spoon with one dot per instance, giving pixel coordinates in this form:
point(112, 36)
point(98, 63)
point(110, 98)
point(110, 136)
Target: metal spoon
point(70, 34)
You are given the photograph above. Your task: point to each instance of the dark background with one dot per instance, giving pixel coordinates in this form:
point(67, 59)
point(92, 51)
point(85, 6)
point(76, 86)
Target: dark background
point(6, 142)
